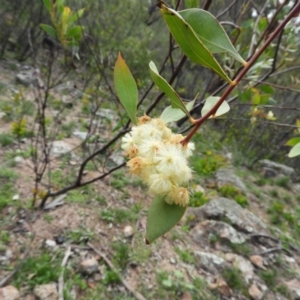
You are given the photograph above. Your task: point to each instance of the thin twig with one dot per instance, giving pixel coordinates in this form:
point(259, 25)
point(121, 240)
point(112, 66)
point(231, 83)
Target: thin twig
point(275, 249)
point(61, 276)
point(19, 265)
point(136, 294)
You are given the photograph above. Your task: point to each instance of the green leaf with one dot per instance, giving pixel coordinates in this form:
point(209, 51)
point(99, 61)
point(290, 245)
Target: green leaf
point(171, 114)
point(295, 151)
point(176, 101)
point(210, 102)
point(47, 3)
point(126, 88)
point(49, 29)
point(162, 217)
point(267, 89)
point(74, 33)
point(188, 41)
point(210, 32)
point(191, 3)
point(74, 17)
point(293, 141)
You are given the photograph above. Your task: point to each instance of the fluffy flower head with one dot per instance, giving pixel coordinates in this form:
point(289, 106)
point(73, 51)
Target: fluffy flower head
point(158, 157)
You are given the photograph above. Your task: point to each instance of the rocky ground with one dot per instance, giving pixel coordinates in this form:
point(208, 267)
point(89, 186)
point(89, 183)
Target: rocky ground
point(238, 240)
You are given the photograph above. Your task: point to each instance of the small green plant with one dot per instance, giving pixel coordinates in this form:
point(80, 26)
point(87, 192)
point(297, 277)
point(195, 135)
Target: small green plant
point(63, 28)
point(198, 199)
point(261, 181)
point(81, 235)
point(208, 163)
point(38, 270)
point(234, 279)
point(119, 181)
point(274, 193)
point(6, 139)
point(4, 237)
point(283, 182)
point(111, 277)
point(243, 249)
point(230, 191)
point(269, 277)
point(19, 129)
point(118, 215)
point(185, 255)
point(121, 256)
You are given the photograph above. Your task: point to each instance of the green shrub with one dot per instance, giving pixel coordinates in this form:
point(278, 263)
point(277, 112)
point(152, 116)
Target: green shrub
point(231, 192)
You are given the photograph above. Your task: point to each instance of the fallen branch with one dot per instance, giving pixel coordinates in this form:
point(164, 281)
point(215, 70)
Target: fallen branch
point(136, 294)
point(275, 249)
point(19, 265)
point(61, 276)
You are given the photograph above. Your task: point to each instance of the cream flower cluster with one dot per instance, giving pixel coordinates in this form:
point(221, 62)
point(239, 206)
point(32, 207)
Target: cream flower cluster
point(157, 156)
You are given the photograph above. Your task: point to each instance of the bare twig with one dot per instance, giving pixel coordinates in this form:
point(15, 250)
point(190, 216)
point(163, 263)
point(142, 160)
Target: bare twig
point(255, 31)
point(61, 276)
point(275, 249)
point(19, 265)
point(136, 294)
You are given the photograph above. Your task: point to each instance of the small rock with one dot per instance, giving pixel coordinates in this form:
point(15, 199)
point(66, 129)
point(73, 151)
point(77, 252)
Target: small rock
point(226, 176)
point(257, 261)
point(219, 208)
point(244, 266)
point(255, 293)
point(59, 239)
point(278, 168)
point(89, 266)
point(81, 134)
point(209, 261)
point(202, 233)
point(60, 148)
point(293, 287)
point(128, 231)
point(97, 277)
point(19, 159)
point(2, 115)
point(222, 286)
point(186, 296)
point(46, 291)
point(30, 76)
point(172, 261)
point(50, 243)
point(118, 159)
point(8, 254)
point(16, 197)
point(9, 292)
point(199, 188)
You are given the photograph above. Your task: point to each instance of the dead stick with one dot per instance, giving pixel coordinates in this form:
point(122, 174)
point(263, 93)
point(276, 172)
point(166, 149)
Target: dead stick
point(137, 295)
point(17, 268)
point(61, 276)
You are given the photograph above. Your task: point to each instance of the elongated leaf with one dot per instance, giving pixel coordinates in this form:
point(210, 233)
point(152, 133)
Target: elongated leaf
point(188, 41)
point(49, 29)
point(126, 88)
point(171, 114)
point(47, 4)
point(74, 17)
point(210, 102)
point(176, 101)
point(293, 141)
point(295, 151)
point(74, 33)
point(162, 217)
point(210, 32)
